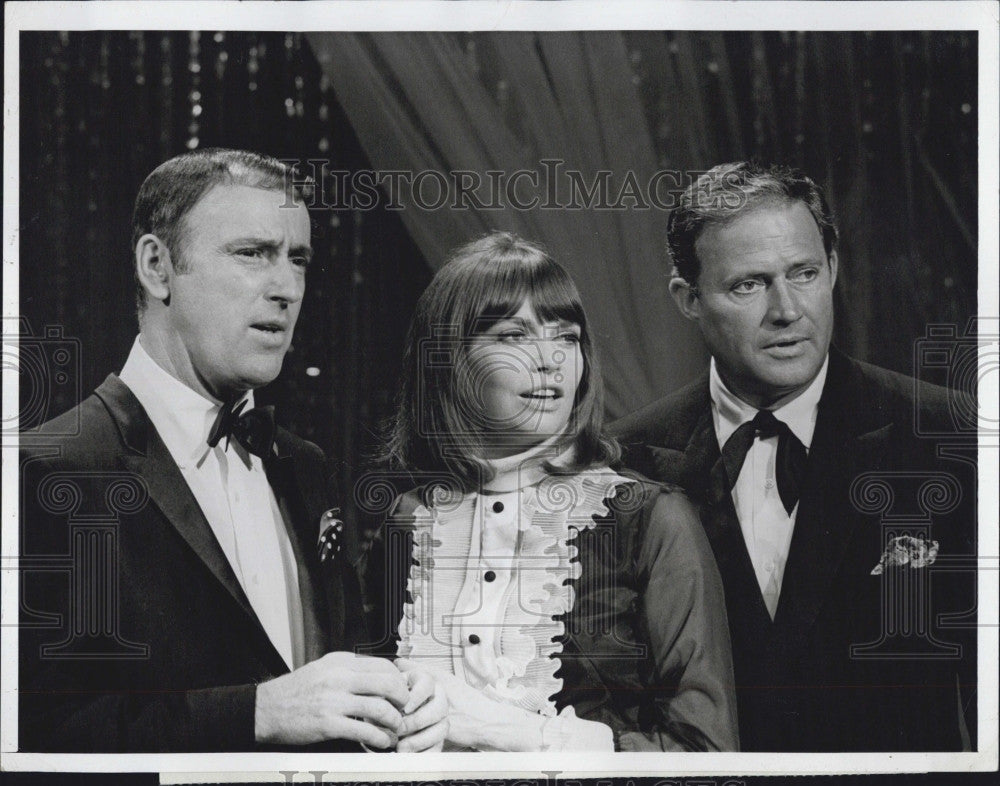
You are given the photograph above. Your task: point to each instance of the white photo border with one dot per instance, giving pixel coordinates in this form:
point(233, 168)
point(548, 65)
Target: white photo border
point(972, 15)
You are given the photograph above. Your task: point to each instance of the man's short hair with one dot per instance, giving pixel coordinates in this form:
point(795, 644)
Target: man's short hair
point(730, 190)
point(172, 190)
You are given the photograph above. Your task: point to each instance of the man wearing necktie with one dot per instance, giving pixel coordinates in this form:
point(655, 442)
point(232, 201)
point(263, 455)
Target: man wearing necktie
point(224, 627)
point(771, 445)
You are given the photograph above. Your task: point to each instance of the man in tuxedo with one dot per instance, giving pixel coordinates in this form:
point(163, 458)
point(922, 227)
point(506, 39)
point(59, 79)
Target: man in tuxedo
point(173, 594)
point(813, 486)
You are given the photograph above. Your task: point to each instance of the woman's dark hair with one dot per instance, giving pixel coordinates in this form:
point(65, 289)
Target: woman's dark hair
point(435, 428)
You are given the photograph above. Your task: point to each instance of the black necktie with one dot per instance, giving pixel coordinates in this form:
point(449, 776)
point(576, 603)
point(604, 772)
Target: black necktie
point(253, 429)
point(791, 461)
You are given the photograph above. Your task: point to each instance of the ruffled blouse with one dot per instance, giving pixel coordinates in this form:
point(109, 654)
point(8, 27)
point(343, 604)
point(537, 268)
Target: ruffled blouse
point(492, 576)
point(590, 600)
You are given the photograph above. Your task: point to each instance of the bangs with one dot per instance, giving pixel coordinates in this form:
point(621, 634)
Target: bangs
point(481, 283)
point(504, 286)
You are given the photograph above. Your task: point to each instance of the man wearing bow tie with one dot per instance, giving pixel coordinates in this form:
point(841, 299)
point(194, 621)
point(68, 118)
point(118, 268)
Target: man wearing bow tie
point(232, 633)
point(768, 445)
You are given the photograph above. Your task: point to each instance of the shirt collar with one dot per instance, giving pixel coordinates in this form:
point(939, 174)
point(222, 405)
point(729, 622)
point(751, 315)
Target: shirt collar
point(527, 468)
point(182, 416)
point(730, 412)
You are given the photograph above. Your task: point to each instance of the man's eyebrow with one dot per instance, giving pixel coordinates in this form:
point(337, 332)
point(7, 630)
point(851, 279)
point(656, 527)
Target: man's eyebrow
point(301, 251)
point(806, 261)
point(269, 244)
point(253, 240)
point(735, 278)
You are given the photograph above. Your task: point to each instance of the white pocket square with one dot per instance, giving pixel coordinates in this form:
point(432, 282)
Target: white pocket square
point(907, 550)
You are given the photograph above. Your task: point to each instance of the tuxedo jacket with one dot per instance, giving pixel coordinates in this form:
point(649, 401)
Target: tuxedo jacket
point(853, 661)
point(135, 632)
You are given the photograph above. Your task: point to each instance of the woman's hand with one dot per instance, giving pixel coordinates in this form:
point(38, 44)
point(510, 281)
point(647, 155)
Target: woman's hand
point(425, 715)
point(479, 722)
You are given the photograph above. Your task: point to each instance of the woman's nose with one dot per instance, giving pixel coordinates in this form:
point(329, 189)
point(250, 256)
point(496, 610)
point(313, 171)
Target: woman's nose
point(549, 355)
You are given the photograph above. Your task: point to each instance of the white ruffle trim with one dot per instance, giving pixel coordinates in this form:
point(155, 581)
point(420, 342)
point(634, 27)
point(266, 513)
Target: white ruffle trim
point(553, 512)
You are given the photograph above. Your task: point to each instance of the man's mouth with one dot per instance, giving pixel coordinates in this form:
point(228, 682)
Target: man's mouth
point(270, 327)
point(786, 342)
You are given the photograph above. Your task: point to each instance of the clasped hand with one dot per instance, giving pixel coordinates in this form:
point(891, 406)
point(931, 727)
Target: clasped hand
point(353, 697)
point(479, 722)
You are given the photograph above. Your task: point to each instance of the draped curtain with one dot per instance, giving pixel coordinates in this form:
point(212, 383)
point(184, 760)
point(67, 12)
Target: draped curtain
point(417, 105)
point(885, 121)
point(101, 109)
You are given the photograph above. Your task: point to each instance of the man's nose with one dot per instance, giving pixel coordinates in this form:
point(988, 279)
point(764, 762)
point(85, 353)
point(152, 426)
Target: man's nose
point(783, 305)
point(287, 282)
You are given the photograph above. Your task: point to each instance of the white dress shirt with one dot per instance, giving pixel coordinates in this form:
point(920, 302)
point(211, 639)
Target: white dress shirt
point(231, 488)
point(766, 525)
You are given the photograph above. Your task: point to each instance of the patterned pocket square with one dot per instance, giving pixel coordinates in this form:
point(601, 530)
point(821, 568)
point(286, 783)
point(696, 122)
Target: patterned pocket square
point(330, 529)
point(907, 550)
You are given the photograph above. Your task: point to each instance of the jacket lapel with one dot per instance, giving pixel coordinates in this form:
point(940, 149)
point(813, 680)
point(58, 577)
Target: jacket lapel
point(849, 439)
point(148, 458)
point(698, 469)
point(301, 505)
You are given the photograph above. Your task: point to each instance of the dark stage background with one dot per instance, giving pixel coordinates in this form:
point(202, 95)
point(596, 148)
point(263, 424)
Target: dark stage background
point(886, 121)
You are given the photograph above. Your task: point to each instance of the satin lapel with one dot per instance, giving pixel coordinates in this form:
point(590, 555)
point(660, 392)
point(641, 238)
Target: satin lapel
point(718, 515)
point(301, 503)
point(846, 443)
point(171, 494)
point(149, 458)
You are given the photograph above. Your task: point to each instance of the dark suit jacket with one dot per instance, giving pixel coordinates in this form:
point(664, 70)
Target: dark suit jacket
point(852, 661)
point(135, 633)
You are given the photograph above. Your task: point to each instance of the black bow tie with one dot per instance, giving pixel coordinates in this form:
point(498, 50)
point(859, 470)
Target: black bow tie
point(253, 429)
point(791, 460)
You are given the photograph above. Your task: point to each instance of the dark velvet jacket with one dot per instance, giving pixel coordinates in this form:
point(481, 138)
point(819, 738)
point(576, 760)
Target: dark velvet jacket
point(852, 661)
point(645, 648)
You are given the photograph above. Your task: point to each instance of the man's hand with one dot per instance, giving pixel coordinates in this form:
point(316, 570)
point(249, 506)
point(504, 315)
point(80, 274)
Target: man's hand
point(339, 696)
point(425, 716)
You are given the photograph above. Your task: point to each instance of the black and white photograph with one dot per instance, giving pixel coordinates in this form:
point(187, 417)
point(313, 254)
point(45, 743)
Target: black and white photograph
point(539, 389)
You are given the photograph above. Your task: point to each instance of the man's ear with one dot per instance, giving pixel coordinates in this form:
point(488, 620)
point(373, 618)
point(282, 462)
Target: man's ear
point(153, 266)
point(686, 297)
point(832, 261)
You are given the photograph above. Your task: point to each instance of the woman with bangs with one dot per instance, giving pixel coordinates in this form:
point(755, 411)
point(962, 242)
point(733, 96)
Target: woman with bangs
point(560, 604)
